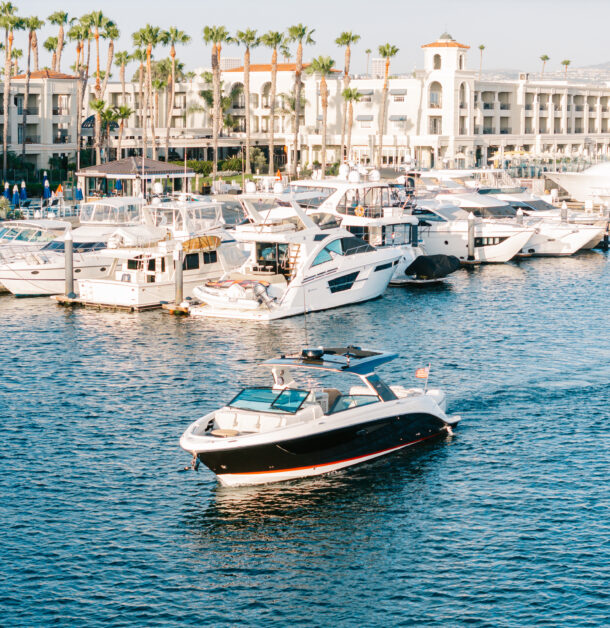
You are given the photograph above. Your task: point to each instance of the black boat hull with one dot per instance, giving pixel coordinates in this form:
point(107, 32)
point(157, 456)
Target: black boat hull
point(322, 452)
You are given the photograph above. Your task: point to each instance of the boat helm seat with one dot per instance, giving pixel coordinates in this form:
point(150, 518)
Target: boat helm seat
point(333, 395)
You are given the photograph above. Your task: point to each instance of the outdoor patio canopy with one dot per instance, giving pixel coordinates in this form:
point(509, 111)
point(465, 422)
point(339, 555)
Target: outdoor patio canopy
point(133, 168)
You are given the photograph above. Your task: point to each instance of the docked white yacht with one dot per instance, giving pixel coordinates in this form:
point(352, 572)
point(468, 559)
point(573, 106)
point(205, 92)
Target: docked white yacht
point(580, 226)
point(550, 238)
point(374, 212)
point(42, 272)
point(18, 236)
point(443, 228)
point(590, 184)
point(287, 430)
point(145, 277)
point(294, 267)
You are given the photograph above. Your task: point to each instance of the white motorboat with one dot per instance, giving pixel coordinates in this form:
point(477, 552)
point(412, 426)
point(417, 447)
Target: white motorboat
point(288, 430)
point(590, 184)
point(550, 237)
point(18, 236)
point(443, 228)
point(582, 226)
point(374, 212)
point(42, 272)
point(145, 277)
point(294, 267)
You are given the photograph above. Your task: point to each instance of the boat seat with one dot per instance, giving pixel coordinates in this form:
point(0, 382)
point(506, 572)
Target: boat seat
point(333, 395)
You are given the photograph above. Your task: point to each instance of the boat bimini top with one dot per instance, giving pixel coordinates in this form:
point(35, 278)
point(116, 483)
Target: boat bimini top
point(349, 359)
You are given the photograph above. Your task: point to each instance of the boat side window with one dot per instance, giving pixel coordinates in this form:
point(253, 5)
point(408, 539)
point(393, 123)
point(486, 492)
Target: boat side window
point(354, 245)
point(348, 203)
point(329, 252)
point(11, 233)
point(133, 264)
point(427, 216)
point(394, 235)
point(346, 402)
point(381, 388)
point(191, 261)
point(3, 232)
point(25, 235)
point(359, 231)
point(210, 257)
point(84, 247)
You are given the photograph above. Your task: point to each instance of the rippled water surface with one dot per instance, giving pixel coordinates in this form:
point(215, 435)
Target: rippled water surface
point(503, 524)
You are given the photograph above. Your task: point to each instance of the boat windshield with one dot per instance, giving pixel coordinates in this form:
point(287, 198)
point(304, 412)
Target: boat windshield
point(78, 247)
point(310, 196)
point(110, 214)
point(538, 205)
point(497, 211)
point(286, 401)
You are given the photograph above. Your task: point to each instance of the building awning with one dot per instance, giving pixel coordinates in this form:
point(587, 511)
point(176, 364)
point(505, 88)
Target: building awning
point(398, 118)
point(364, 118)
point(366, 92)
point(398, 92)
point(132, 168)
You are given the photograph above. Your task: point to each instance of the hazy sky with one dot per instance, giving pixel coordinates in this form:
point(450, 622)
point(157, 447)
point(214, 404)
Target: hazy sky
point(514, 32)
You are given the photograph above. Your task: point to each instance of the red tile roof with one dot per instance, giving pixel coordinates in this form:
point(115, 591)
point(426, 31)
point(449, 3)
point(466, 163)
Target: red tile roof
point(46, 74)
point(266, 67)
point(445, 44)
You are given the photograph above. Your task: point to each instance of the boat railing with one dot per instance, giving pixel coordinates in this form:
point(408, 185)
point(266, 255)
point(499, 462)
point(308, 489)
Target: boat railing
point(45, 209)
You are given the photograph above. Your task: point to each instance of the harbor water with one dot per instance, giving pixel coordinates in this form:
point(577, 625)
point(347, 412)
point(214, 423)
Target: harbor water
point(505, 523)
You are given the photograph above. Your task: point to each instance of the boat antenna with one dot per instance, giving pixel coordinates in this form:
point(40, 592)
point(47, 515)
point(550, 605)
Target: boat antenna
point(305, 319)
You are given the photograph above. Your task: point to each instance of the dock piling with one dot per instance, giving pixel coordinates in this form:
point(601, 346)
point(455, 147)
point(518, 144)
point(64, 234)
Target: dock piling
point(471, 237)
point(69, 263)
point(179, 277)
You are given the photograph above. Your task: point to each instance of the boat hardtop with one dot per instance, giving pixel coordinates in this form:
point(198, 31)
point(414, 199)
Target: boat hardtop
point(112, 210)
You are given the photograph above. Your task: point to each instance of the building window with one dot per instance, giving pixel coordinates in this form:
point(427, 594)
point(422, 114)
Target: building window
point(366, 98)
point(365, 124)
point(437, 62)
point(399, 98)
point(436, 125)
point(435, 95)
point(461, 66)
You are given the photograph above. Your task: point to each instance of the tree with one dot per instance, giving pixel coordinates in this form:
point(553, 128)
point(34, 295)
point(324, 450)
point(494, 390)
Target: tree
point(299, 34)
point(150, 37)
point(350, 96)
point(565, 63)
point(368, 58)
point(50, 45)
point(32, 24)
point(122, 113)
point(216, 36)
point(322, 66)
point(172, 36)
point(121, 59)
point(111, 33)
point(139, 54)
point(544, 59)
point(481, 48)
point(60, 19)
point(248, 39)
point(9, 22)
point(108, 120)
point(387, 51)
point(80, 33)
point(273, 40)
point(16, 54)
point(346, 39)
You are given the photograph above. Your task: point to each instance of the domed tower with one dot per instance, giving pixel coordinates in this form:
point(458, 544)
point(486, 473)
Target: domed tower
point(445, 54)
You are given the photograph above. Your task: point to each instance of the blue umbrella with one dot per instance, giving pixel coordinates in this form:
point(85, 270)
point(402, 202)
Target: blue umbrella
point(24, 193)
point(46, 192)
point(79, 194)
point(118, 186)
point(15, 195)
point(7, 194)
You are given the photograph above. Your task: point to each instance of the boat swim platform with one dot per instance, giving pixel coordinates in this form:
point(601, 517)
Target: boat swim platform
point(66, 301)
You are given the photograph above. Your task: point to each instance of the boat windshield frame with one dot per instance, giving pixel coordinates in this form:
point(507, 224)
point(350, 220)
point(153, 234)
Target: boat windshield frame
point(275, 404)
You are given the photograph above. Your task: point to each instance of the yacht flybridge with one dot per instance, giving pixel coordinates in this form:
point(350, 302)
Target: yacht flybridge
point(294, 267)
point(288, 430)
point(42, 272)
point(375, 212)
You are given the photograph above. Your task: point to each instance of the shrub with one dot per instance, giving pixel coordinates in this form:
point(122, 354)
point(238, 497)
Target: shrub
point(232, 163)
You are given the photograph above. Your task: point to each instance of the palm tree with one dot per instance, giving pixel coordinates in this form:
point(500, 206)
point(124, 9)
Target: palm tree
point(215, 35)
point(16, 54)
point(565, 63)
point(157, 86)
point(288, 106)
point(249, 39)
point(481, 48)
point(50, 45)
point(139, 54)
point(39, 24)
point(299, 34)
point(9, 22)
point(108, 118)
point(32, 24)
point(387, 51)
point(350, 96)
point(347, 38)
point(97, 22)
point(121, 59)
point(111, 33)
point(273, 40)
point(122, 113)
point(79, 33)
point(59, 18)
point(150, 36)
point(171, 37)
point(322, 67)
point(368, 58)
point(544, 59)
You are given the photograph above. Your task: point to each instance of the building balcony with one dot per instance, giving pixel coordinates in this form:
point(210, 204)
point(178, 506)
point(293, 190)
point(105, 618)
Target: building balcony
point(529, 107)
point(30, 111)
point(504, 106)
point(604, 109)
point(62, 139)
point(61, 111)
point(579, 108)
point(488, 131)
point(488, 105)
point(435, 105)
point(505, 131)
point(463, 105)
point(31, 139)
point(542, 107)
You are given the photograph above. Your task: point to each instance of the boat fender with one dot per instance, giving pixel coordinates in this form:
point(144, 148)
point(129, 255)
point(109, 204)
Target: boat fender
point(359, 211)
